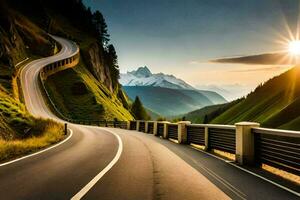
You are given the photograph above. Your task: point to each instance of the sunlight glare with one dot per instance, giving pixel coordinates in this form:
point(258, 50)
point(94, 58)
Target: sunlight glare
point(294, 47)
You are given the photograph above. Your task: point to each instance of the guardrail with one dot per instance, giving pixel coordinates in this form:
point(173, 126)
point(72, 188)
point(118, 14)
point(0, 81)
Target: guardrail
point(53, 68)
point(278, 148)
point(250, 144)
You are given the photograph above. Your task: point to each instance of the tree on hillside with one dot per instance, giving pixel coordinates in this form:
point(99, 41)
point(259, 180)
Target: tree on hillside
point(138, 110)
point(101, 28)
point(112, 59)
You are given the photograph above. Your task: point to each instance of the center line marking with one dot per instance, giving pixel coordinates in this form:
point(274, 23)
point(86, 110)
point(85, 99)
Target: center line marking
point(86, 188)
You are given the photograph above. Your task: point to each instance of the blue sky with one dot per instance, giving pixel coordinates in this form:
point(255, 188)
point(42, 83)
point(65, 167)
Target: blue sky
point(180, 37)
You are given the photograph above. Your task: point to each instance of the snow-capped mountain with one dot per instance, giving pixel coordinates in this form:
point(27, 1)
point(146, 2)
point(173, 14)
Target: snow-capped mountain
point(143, 77)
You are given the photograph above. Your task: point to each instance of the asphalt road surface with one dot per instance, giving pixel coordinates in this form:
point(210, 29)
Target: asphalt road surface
point(106, 163)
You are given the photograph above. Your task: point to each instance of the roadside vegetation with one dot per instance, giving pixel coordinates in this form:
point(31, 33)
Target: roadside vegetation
point(45, 133)
point(20, 133)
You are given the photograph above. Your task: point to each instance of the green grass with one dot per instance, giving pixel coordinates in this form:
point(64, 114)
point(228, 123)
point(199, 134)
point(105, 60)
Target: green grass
point(78, 95)
point(49, 132)
point(20, 133)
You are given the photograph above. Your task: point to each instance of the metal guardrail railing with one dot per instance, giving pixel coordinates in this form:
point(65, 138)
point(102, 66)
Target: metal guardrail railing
point(195, 134)
point(150, 127)
point(142, 127)
point(132, 125)
point(160, 129)
point(173, 131)
point(277, 148)
point(222, 139)
point(249, 143)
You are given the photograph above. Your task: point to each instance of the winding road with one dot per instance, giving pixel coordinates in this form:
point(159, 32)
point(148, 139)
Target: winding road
point(106, 163)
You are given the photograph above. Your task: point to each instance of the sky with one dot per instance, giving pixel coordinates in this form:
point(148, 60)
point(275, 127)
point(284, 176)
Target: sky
point(182, 37)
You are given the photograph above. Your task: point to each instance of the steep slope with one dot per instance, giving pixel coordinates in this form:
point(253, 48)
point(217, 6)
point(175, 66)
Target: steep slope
point(166, 101)
point(273, 104)
point(79, 96)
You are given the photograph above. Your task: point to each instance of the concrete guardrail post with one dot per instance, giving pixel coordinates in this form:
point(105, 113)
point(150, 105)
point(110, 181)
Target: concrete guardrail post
point(138, 125)
point(155, 128)
point(146, 126)
point(206, 138)
point(182, 133)
point(165, 134)
point(128, 125)
point(245, 143)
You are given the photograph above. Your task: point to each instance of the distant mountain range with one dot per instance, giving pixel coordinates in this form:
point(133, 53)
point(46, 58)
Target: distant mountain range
point(166, 94)
point(229, 92)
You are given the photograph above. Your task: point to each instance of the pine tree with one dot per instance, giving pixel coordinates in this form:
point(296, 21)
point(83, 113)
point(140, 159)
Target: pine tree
point(138, 110)
point(113, 65)
point(101, 28)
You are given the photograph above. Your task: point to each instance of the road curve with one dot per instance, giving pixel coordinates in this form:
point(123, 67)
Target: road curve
point(144, 169)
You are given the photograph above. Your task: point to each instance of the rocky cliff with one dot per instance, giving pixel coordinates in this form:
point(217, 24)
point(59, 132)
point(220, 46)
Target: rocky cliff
point(96, 62)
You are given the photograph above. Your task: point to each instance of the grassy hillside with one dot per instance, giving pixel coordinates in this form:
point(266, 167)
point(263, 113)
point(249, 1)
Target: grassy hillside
point(274, 104)
point(166, 101)
point(78, 95)
point(21, 133)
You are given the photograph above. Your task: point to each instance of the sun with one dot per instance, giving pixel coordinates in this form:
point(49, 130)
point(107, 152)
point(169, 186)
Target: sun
point(294, 47)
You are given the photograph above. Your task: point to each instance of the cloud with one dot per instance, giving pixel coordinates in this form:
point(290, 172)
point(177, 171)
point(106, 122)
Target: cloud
point(260, 59)
point(194, 62)
point(265, 69)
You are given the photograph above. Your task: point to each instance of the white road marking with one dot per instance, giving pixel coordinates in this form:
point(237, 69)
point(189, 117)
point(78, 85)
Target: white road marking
point(86, 188)
point(19, 63)
point(229, 186)
point(265, 179)
point(252, 173)
point(39, 152)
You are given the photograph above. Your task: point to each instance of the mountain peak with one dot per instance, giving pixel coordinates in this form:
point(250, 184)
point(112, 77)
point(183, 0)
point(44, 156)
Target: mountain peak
point(142, 72)
point(143, 77)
